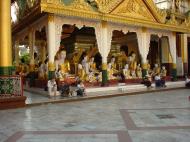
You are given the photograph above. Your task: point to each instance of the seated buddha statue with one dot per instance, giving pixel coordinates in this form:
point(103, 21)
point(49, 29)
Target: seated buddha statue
point(81, 72)
point(113, 65)
point(110, 72)
point(149, 70)
point(163, 72)
point(92, 65)
point(112, 69)
point(133, 64)
point(87, 74)
point(122, 59)
point(62, 63)
point(127, 72)
point(94, 73)
point(156, 70)
point(139, 71)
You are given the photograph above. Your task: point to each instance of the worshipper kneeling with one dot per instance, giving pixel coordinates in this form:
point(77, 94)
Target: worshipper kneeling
point(52, 87)
point(147, 81)
point(80, 89)
point(187, 82)
point(159, 82)
point(65, 89)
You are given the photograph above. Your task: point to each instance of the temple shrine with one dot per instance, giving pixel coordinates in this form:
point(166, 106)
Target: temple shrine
point(99, 41)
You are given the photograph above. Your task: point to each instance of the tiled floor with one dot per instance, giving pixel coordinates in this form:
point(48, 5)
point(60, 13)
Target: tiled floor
point(38, 96)
point(151, 117)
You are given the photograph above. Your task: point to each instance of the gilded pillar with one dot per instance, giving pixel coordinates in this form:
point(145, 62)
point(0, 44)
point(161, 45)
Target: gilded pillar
point(51, 41)
point(5, 38)
point(184, 51)
point(143, 37)
point(104, 36)
point(172, 42)
point(31, 38)
point(43, 52)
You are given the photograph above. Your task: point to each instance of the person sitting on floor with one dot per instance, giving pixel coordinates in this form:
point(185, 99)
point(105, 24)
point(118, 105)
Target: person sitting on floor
point(52, 87)
point(187, 82)
point(65, 89)
point(80, 88)
point(147, 81)
point(159, 82)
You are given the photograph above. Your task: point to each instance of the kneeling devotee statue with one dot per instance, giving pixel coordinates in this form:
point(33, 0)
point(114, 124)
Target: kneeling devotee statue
point(62, 63)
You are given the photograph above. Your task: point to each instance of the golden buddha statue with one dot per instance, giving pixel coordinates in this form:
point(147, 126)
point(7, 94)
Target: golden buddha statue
point(133, 63)
point(127, 72)
point(163, 72)
point(112, 69)
point(149, 70)
point(110, 72)
point(81, 72)
point(89, 69)
point(122, 59)
point(62, 63)
point(113, 65)
point(92, 65)
point(77, 54)
point(139, 71)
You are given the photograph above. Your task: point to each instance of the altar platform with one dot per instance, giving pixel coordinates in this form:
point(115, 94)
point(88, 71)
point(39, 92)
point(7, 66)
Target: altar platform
point(37, 96)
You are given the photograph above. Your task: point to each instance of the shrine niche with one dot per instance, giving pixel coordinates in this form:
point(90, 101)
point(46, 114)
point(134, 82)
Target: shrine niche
point(154, 55)
point(124, 56)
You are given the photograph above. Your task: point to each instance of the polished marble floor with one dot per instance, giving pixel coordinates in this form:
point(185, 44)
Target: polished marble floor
point(149, 117)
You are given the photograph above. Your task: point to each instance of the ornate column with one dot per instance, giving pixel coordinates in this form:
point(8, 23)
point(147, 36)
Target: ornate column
point(11, 91)
point(166, 59)
point(5, 38)
point(31, 38)
point(51, 41)
point(172, 42)
point(104, 36)
point(43, 51)
point(184, 51)
point(143, 37)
